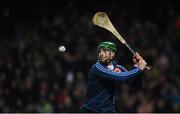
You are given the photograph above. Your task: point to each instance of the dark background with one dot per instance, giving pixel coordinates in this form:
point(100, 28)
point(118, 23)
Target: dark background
point(36, 77)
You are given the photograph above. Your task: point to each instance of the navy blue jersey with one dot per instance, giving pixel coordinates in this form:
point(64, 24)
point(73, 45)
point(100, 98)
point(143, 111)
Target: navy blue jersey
point(101, 88)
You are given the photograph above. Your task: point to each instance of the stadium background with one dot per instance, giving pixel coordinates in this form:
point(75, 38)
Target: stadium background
point(35, 77)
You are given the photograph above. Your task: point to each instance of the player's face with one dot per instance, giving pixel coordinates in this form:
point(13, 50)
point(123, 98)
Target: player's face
point(105, 55)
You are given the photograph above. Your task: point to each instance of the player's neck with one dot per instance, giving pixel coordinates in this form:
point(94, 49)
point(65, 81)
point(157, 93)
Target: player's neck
point(110, 65)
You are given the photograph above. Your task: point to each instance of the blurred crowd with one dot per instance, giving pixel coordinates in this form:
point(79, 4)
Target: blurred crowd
point(36, 77)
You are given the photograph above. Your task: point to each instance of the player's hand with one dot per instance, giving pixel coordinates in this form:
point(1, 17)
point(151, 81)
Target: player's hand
point(142, 64)
point(139, 61)
point(136, 58)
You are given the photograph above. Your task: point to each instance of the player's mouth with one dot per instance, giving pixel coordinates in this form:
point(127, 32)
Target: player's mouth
point(102, 58)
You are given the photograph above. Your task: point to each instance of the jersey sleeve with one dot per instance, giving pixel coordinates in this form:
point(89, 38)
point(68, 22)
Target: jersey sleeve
point(99, 70)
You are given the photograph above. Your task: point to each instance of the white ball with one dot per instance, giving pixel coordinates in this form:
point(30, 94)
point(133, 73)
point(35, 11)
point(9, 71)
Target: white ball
point(62, 48)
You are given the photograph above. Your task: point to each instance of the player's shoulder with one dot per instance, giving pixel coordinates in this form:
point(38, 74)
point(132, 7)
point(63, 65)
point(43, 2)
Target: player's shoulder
point(94, 68)
point(98, 65)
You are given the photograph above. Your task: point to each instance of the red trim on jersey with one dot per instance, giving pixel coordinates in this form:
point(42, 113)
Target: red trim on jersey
point(117, 69)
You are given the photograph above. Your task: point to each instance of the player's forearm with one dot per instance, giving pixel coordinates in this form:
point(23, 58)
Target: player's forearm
point(116, 76)
point(123, 76)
